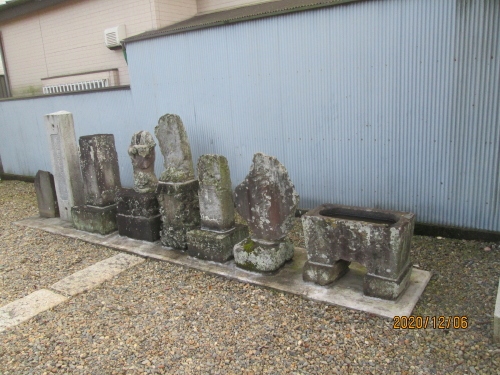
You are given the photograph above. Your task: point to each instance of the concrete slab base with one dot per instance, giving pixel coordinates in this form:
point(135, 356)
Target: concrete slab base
point(25, 308)
point(346, 292)
point(496, 318)
point(96, 274)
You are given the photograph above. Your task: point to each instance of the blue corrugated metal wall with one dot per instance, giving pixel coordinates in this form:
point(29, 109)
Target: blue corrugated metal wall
point(385, 103)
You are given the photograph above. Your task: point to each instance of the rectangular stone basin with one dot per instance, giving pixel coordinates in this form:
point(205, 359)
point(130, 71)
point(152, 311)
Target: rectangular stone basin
point(336, 235)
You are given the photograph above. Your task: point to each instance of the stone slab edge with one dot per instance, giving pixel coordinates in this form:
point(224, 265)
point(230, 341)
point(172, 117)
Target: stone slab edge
point(96, 274)
point(27, 307)
point(496, 319)
point(347, 292)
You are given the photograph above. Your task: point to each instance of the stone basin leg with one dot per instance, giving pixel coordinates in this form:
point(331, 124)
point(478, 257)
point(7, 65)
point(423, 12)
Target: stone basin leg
point(324, 274)
point(384, 287)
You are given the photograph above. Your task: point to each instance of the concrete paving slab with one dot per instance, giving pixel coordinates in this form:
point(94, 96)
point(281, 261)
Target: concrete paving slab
point(347, 292)
point(496, 318)
point(27, 307)
point(95, 274)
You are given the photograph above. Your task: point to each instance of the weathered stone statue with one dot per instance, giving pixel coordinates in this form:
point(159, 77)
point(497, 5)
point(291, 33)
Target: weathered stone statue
point(101, 182)
point(177, 190)
point(218, 234)
point(175, 148)
point(138, 210)
point(142, 153)
point(267, 200)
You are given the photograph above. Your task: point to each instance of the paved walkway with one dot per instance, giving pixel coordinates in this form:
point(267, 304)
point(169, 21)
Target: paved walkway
point(25, 308)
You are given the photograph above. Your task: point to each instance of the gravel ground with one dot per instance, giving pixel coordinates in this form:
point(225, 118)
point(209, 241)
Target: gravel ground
point(31, 259)
point(162, 318)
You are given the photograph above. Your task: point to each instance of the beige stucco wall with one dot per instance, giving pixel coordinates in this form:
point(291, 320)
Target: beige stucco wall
point(69, 38)
point(208, 6)
point(171, 11)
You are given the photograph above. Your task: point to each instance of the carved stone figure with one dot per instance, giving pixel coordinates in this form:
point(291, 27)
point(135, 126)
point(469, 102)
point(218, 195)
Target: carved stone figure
point(142, 154)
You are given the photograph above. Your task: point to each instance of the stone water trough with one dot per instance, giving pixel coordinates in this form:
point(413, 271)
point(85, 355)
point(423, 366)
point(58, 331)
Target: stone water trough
point(337, 235)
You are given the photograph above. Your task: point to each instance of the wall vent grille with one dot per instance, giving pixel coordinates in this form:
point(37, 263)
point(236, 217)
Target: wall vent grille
point(77, 86)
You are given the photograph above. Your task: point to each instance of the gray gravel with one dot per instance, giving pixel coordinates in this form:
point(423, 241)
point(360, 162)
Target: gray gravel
point(161, 318)
point(32, 259)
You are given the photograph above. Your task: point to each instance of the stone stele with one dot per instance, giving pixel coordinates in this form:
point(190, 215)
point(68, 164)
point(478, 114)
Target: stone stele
point(46, 194)
point(101, 174)
point(267, 200)
point(218, 234)
point(142, 153)
point(99, 163)
point(174, 146)
point(216, 194)
point(65, 163)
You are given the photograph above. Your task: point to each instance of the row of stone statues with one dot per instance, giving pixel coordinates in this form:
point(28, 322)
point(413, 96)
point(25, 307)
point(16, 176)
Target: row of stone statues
point(179, 210)
point(199, 214)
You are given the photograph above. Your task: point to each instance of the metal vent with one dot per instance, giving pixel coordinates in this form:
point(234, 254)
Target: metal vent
point(113, 36)
point(77, 86)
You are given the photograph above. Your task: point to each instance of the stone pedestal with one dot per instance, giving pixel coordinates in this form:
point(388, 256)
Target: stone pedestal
point(46, 194)
point(215, 246)
point(138, 215)
point(261, 255)
point(65, 163)
point(95, 219)
point(180, 211)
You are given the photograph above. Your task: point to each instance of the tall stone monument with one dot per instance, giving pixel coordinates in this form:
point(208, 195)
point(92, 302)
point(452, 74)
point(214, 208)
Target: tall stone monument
point(65, 164)
point(46, 197)
point(218, 234)
point(177, 190)
point(101, 177)
point(267, 200)
point(138, 210)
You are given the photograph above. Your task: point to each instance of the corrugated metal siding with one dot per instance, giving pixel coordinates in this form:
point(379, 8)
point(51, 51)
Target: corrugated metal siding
point(24, 143)
point(386, 103)
point(366, 104)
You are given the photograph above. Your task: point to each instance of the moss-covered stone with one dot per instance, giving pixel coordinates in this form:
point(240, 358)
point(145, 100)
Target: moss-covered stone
point(215, 246)
point(94, 219)
point(262, 256)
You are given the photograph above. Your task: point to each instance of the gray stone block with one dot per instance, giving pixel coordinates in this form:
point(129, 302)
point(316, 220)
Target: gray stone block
point(324, 274)
point(377, 239)
point(215, 246)
point(262, 256)
point(95, 219)
point(101, 174)
point(139, 227)
point(65, 163)
point(180, 211)
point(132, 203)
point(46, 194)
